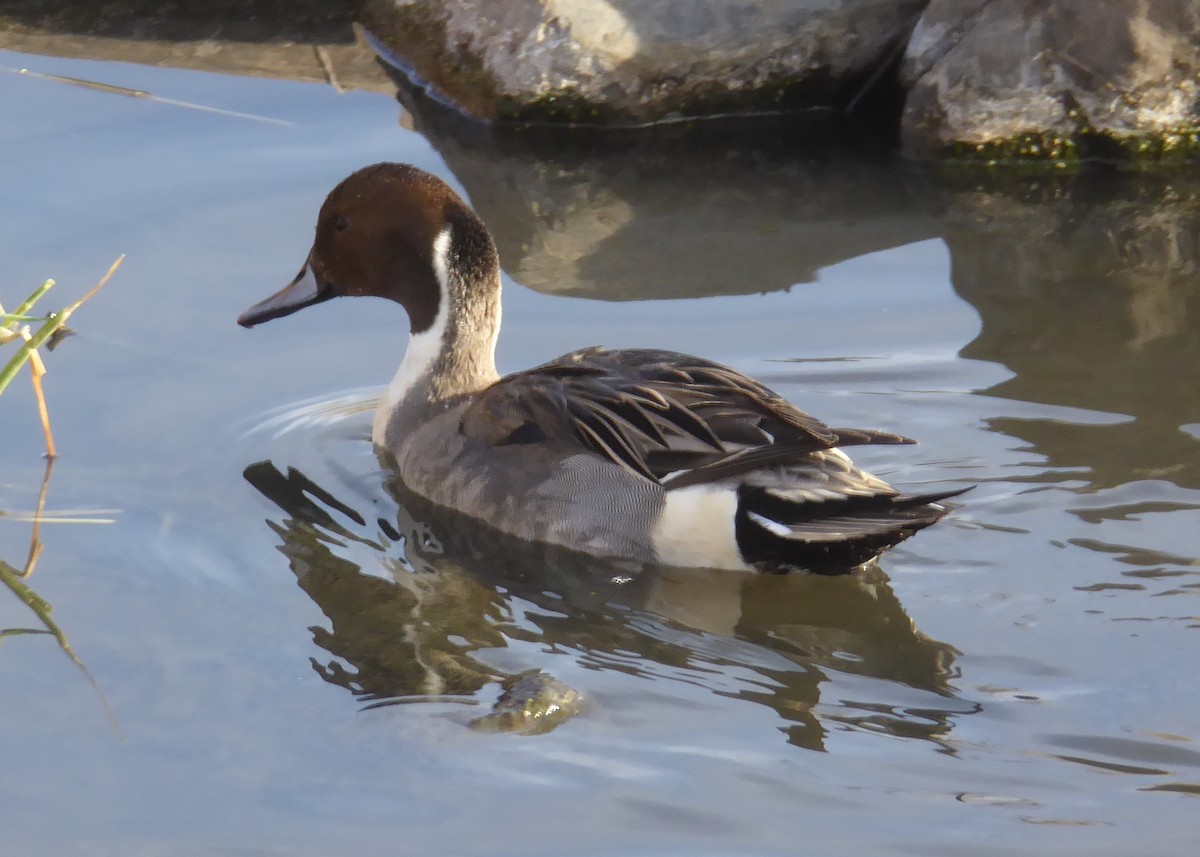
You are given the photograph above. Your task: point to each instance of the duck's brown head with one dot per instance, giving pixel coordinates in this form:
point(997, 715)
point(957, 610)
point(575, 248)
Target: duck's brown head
point(392, 231)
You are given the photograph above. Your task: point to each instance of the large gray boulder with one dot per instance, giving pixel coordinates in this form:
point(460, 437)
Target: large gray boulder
point(633, 61)
point(1054, 79)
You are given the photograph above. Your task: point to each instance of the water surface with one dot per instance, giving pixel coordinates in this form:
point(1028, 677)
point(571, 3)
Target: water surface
point(290, 648)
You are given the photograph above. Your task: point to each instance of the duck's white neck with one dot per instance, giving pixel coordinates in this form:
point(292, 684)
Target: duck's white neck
point(454, 357)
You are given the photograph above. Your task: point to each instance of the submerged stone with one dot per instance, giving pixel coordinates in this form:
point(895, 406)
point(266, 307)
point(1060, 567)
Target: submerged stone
point(533, 704)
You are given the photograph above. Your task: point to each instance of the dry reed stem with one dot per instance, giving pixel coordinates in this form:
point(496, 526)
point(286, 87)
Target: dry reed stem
point(36, 370)
point(111, 270)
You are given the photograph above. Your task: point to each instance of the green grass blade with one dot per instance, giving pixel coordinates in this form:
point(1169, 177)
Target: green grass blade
point(21, 632)
point(13, 366)
point(11, 320)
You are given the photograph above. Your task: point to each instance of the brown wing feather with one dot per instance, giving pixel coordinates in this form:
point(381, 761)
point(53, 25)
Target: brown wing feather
point(655, 413)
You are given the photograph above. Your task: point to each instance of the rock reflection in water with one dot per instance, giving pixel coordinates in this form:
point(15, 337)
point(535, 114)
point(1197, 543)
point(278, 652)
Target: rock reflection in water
point(458, 588)
point(1088, 291)
point(676, 211)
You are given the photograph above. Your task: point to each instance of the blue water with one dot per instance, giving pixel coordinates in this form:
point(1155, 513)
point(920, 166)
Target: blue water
point(1018, 679)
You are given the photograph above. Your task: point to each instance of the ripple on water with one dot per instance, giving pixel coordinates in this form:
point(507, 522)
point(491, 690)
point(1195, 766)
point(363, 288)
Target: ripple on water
point(313, 414)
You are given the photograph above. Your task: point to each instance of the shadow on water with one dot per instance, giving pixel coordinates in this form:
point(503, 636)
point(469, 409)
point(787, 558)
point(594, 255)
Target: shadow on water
point(457, 589)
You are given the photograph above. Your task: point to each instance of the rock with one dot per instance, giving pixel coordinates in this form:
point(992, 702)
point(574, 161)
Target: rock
point(631, 62)
point(532, 704)
point(1062, 80)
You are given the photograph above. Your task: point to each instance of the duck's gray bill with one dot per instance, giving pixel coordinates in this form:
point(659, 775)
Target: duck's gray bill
point(299, 293)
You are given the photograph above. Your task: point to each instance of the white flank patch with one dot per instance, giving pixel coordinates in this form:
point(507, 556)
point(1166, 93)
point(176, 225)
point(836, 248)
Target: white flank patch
point(423, 348)
point(696, 528)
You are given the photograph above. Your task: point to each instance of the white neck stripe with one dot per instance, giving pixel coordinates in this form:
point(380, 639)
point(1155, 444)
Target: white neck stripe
point(423, 347)
point(441, 259)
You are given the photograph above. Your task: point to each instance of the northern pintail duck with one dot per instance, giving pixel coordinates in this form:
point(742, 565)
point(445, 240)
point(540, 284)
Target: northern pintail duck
point(644, 455)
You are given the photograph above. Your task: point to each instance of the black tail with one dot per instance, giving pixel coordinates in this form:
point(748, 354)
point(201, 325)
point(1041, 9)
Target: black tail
point(832, 537)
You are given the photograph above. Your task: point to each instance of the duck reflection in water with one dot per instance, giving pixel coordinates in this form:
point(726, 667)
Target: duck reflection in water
point(459, 588)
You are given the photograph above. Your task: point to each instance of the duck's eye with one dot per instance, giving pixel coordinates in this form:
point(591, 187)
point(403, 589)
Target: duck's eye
point(340, 224)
